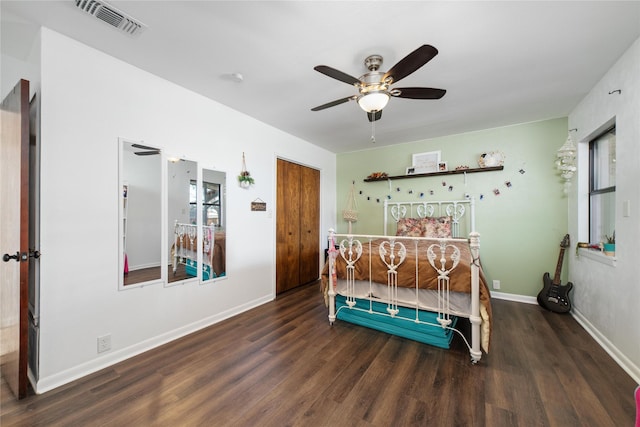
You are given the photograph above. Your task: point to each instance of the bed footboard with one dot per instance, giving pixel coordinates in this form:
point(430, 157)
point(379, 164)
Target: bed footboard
point(185, 249)
point(434, 261)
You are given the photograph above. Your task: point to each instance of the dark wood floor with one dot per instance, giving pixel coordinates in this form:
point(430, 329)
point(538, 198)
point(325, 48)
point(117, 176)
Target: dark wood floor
point(281, 364)
point(154, 273)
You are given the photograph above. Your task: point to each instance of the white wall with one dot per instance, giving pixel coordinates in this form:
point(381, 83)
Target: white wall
point(16, 64)
point(535, 198)
point(607, 293)
point(89, 100)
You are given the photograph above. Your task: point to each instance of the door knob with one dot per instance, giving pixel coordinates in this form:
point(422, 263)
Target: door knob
point(7, 257)
point(34, 254)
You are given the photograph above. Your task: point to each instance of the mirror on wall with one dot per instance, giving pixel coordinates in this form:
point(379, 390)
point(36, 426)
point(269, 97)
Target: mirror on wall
point(181, 221)
point(213, 219)
point(196, 207)
point(140, 188)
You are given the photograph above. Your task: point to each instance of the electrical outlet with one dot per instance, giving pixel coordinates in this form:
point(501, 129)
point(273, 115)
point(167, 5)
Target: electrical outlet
point(104, 343)
point(496, 284)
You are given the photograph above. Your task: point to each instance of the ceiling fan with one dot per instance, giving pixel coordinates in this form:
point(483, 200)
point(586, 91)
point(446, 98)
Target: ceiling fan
point(374, 87)
point(150, 150)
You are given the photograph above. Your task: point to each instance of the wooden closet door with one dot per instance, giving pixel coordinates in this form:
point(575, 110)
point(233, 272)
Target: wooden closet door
point(309, 224)
point(288, 226)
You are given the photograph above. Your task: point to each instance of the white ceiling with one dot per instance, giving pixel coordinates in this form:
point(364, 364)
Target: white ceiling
point(501, 62)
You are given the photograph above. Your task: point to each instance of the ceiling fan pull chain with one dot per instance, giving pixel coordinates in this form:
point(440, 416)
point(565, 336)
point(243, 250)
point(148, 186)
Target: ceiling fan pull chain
point(373, 131)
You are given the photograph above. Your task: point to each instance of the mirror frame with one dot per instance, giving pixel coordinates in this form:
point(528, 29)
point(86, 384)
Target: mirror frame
point(200, 222)
point(121, 218)
point(169, 225)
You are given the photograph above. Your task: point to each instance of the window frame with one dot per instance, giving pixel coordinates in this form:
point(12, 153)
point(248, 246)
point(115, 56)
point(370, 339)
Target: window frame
point(594, 189)
point(206, 205)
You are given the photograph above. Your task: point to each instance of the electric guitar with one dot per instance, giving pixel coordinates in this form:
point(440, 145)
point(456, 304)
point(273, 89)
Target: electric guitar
point(553, 295)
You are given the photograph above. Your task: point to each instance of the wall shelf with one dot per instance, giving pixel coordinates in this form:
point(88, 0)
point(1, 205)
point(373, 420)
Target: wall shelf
point(423, 175)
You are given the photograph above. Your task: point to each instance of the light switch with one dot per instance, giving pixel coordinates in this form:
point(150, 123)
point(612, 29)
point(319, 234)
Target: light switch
point(626, 208)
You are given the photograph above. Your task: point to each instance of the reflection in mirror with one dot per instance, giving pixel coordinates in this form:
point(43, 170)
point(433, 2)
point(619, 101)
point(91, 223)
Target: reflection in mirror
point(182, 222)
point(140, 214)
point(213, 224)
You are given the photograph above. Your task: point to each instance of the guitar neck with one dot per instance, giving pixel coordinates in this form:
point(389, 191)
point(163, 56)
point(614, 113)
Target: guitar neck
point(556, 276)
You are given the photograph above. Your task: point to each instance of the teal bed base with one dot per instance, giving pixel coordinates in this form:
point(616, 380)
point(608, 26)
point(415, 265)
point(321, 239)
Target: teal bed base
point(192, 270)
point(404, 324)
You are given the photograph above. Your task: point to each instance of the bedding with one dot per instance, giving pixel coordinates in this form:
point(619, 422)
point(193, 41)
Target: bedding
point(439, 227)
point(185, 246)
point(219, 256)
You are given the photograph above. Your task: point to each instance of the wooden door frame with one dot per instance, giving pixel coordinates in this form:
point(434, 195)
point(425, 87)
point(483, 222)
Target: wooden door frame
point(277, 201)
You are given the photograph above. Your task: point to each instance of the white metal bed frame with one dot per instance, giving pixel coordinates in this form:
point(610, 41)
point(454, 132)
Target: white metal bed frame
point(393, 252)
point(456, 209)
point(184, 231)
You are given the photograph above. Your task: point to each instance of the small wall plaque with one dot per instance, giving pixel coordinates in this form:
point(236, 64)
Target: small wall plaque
point(258, 205)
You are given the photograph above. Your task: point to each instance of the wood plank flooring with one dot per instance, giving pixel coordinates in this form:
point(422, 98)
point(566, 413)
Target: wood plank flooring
point(281, 364)
point(154, 273)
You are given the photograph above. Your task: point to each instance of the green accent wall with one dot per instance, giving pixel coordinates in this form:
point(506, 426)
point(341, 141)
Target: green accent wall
point(520, 229)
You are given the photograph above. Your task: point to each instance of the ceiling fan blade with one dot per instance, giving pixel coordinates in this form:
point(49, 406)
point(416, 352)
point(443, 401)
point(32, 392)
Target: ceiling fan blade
point(147, 153)
point(144, 147)
point(336, 74)
point(411, 63)
point(418, 92)
point(374, 115)
point(333, 103)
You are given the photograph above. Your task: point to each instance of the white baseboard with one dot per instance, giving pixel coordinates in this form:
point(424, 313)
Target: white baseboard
point(514, 297)
point(45, 384)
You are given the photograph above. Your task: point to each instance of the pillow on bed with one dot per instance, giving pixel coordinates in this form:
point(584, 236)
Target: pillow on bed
point(410, 227)
point(439, 227)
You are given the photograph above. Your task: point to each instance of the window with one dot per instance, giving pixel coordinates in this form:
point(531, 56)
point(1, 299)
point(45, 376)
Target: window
point(210, 203)
point(602, 186)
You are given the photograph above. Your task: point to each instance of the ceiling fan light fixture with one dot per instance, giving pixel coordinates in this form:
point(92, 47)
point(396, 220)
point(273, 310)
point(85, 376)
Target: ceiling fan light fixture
point(373, 101)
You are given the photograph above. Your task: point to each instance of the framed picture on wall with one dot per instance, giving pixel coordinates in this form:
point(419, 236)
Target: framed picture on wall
point(418, 170)
point(426, 162)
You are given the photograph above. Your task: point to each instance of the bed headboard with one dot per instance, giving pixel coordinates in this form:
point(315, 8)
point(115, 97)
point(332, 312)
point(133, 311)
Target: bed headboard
point(462, 213)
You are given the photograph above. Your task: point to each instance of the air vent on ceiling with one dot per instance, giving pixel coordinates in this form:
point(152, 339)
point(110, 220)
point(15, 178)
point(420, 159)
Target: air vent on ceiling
point(112, 16)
